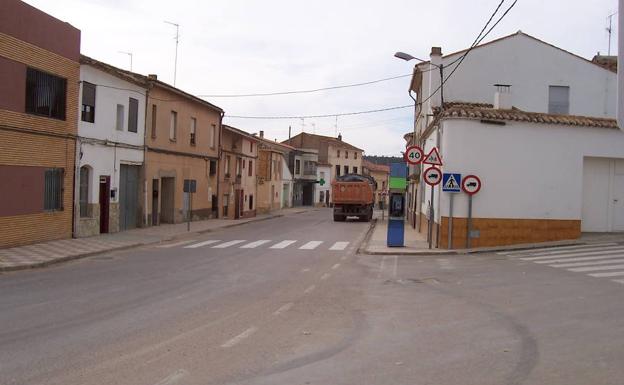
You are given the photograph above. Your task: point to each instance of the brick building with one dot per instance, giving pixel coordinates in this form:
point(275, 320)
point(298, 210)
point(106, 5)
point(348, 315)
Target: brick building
point(39, 74)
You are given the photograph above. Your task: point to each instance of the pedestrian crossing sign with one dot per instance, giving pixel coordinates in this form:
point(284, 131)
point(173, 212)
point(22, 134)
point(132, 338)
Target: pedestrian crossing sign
point(451, 182)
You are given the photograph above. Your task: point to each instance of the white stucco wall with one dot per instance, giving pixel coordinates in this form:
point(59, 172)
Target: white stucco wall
point(326, 187)
point(287, 179)
point(528, 170)
point(529, 66)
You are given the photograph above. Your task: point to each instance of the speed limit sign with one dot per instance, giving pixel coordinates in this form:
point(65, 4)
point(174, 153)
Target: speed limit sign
point(414, 155)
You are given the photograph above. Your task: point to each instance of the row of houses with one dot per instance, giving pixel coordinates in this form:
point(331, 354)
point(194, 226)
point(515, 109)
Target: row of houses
point(536, 124)
point(87, 148)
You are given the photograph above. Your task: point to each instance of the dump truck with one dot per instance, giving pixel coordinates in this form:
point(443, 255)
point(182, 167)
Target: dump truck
point(353, 196)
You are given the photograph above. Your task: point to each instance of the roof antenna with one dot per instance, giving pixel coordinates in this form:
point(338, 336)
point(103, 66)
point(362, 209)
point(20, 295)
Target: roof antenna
point(336, 126)
point(177, 39)
point(610, 30)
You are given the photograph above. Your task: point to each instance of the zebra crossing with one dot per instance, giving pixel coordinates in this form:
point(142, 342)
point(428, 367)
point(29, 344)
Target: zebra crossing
point(600, 260)
point(261, 243)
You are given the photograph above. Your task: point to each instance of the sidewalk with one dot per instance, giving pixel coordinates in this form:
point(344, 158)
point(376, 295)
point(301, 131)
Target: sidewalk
point(47, 253)
point(416, 243)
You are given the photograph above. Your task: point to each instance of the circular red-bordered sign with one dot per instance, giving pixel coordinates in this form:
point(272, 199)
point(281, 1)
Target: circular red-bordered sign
point(414, 155)
point(433, 176)
point(471, 184)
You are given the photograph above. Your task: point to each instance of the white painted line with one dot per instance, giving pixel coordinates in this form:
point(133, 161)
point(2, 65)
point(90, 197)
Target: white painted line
point(173, 378)
point(571, 255)
point(339, 246)
point(309, 289)
point(255, 244)
point(596, 268)
point(335, 266)
point(343, 258)
point(579, 259)
point(240, 337)
point(228, 244)
point(311, 245)
point(282, 244)
point(612, 274)
point(325, 276)
point(590, 263)
point(200, 244)
point(305, 270)
point(555, 249)
point(618, 280)
point(176, 244)
point(284, 308)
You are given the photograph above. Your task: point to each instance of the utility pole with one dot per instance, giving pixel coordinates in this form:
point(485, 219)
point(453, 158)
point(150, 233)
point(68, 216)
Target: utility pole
point(177, 39)
point(610, 30)
point(129, 54)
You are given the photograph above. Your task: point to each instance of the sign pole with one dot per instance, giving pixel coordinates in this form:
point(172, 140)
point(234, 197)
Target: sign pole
point(188, 223)
point(450, 224)
point(469, 222)
point(431, 213)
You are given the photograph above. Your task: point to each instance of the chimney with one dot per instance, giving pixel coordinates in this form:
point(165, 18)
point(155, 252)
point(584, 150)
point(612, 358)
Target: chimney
point(261, 134)
point(435, 58)
point(340, 137)
point(502, 97)
point(152, 76)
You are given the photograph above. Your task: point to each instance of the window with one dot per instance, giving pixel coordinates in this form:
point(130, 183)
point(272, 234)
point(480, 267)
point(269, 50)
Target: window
point(88, 102)
point(346, 170)
point(119, 123)
point(46, 94)
point(297, 167)
point(213, 167)
point(250, 202)
point(355, 170)
point(355, 155)
point(53, 189)
point(154, 112)
point(193, 130)
point(251, 146)
point(559, 100)
point(173, 126)
point(226, 166)
point(244, 161)
point(322, 175)
point(133, 114)
point(226, 202)
point(213, 135)
point(321, 196)
point(84, 191)
point(250, 169)
point(337, 170)
point(346, 154)
point(338, 153)
point(239, 170)
point(309, 168)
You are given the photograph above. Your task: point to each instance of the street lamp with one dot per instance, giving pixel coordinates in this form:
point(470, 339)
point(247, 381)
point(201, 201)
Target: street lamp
point(408, 57)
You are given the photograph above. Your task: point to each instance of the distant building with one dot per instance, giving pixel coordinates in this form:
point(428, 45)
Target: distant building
point(303, 163)
point(271, 187)
point(39, 77)
point(381, 175)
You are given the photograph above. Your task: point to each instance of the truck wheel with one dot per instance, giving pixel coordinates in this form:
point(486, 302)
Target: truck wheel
point(338, 218)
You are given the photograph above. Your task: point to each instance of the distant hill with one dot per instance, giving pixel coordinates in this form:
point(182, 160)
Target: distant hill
point(382, 159)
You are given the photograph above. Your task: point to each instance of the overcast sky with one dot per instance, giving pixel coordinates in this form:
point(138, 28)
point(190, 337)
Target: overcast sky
point(236, 46)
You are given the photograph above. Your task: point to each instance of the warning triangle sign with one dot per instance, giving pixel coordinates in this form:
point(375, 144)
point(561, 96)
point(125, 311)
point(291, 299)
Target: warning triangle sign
point(451, 183)
point(433, 157)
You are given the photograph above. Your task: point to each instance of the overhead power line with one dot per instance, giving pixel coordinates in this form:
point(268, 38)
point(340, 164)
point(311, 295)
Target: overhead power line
point(320, 116)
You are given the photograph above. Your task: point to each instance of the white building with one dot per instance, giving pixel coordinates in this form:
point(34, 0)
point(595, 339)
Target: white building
point(109, 149)
point(324, 177)
point(530, 74)
point(287, 185)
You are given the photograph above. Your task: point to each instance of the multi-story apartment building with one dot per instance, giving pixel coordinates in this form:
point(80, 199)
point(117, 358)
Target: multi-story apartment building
point(271, 156)
point(110, 150)
point(39, 76)
point(182, 145)
point(237, 182)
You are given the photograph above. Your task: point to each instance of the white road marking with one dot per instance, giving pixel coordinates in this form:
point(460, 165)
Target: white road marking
point(282, 244)
point(445, 264)
point(510, 253)
point(309, 289)
point(610, 274)
point(579, 259)
point(200, 244)
point(255, 244)
point(173, 378)
point(339, 246)
point(590, 263)
point(335, 266)
point(176, 244)
point(618, 280)
point(284, 308)
point(305, 270)
point(325, 276)
point(596, 268)
point(343, 258)
point(240, 337)
point(573, 253)
point(228, 244)
point(310, 245)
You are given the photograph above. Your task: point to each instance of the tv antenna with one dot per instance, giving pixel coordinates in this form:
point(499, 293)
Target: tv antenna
point(610, 30)
point(177, 39)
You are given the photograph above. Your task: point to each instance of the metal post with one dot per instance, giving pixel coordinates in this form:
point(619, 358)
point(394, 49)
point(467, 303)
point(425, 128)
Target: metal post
point(450, 224)
point(190, 213)
point(431, 214)
point(469, 222)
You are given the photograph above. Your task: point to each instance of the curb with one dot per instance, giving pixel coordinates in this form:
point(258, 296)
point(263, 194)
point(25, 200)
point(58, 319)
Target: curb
point(69, 258)
point(362, 248)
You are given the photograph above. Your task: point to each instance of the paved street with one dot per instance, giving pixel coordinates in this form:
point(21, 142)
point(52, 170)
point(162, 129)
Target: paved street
point(287, 301)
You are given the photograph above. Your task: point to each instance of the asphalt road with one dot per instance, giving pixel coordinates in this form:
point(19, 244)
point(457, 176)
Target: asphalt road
point(247, 305)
